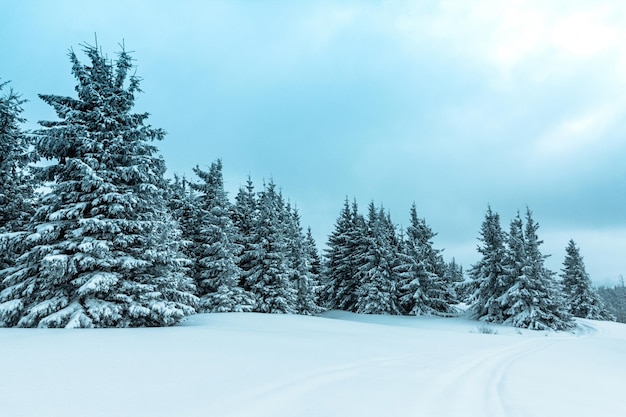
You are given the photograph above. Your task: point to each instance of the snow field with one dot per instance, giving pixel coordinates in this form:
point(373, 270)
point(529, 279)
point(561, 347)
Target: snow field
point(340, 364)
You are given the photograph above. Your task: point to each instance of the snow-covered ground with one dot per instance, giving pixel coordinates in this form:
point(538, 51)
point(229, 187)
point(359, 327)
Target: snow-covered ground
point(340, 364)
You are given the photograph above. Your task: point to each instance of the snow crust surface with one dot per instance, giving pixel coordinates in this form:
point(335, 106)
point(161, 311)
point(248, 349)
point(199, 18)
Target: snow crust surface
point(341, 364)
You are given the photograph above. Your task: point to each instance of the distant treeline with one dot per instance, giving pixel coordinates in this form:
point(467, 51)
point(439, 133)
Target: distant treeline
point(614, 298)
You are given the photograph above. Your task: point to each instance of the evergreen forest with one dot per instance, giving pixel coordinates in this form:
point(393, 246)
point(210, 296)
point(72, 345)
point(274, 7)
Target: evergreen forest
point(93, 234)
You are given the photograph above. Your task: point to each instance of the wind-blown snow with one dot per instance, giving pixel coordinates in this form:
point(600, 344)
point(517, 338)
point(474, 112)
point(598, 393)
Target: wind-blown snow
point(244, 364)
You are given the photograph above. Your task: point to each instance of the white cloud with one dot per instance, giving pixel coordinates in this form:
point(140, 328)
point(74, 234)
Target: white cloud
point(585, 34)
point(531, 40)
point(579, 135)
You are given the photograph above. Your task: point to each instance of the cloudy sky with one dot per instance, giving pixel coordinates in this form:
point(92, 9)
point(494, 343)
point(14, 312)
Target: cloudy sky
point(452, 105)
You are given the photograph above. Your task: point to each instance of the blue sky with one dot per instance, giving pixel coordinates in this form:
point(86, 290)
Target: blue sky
point(452, 104)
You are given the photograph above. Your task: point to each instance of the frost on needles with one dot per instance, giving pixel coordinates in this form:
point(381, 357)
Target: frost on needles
point(101, 250)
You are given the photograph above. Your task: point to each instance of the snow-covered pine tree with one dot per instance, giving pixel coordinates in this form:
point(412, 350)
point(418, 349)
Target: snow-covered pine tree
point(412, 272)
point(103, 249)
point(313, 254)
point(489, 274)
point(344, 258)
point(269, 273)
point(376, 293)
point(183, 205)
point(299, 258)
point(580, 297)
point(440, 293)
point(16, 182)
point(454, 279)
point(245, 214)
point(336, 269)
point(513, 300)
point(215, 248)
point(423, 286)
point(535, 298)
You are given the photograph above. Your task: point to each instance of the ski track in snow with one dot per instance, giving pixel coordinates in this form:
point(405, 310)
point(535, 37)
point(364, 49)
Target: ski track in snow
point(289, 394)
point(477, 382)
point(474, 382)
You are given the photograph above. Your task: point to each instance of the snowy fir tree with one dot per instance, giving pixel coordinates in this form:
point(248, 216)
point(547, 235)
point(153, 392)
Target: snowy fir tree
point(313, 255)
point(580, 297)
point(532, 298)
point(245, 214)
point(183, 205)
point(513, 302)
point(424, 288)
point(513, 286)
point(16, 182)
point(454, 278)
point(412, 271)
point(300, 263)
point(345, 257)
point(215, 248)
point(268, 276)
point(488, 275)
point(102, 249)
point(538, 303)
point(376, 292)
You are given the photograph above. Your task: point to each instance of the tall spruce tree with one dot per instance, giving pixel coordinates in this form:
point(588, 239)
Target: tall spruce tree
point(269, 275)
point(534, 298)
point(345, 257)
point(336, 269)
point(245, 214)
point(313, 254)
point(580, 297)
point(16, 182)
point(424, 288)
point(454, 279)
point(102, 249)
point(300, 262)
point(412, 270)
point(182, 202)
point(376, 292)
point(215, 248)
point(512, 301)
point(489, 274)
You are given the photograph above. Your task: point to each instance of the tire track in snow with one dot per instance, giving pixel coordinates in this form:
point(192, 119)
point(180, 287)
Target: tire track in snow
point(271, 399)
point(476, 387)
